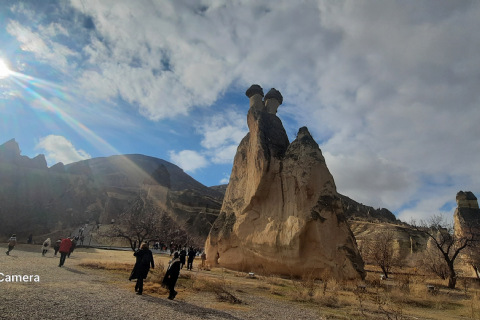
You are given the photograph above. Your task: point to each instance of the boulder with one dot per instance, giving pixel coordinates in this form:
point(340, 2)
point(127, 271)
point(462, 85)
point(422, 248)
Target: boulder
point(281, 213)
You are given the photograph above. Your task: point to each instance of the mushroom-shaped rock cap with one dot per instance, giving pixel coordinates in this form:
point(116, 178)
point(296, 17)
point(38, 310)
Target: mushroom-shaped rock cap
point(470, 195)
point(461, 195)
point(275, 94)
point(253, 90)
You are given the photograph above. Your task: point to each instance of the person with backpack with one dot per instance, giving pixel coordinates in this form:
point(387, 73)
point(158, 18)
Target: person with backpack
point(12, 242)
point(172, 274)
point(142, 267)
point(46, 245)
point(64, 250)
point(56, 246)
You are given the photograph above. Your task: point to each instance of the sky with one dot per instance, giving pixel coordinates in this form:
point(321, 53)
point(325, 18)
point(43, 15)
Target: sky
point(389, 89)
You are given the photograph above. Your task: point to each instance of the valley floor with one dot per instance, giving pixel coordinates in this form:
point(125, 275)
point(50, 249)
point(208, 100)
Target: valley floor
point(94, 285)
point(75, 292)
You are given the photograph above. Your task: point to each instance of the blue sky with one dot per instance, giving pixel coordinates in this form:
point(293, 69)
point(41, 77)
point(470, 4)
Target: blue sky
point(388, 89)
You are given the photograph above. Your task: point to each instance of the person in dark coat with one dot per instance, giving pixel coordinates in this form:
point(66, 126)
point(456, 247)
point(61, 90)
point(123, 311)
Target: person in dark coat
point(142, 266)
point(56, 246)
point(191, 256)
point(172, 274)
point(64, 250)
point(183, 254)
point(73, 246)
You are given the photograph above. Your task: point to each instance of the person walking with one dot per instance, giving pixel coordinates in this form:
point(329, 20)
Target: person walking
point(183, 254)
point(56, 246)
point(172, 274)
point(191, 256)
point(72, 247)
point(30, 239)
point(142, 267)
point(203, 257)
point(81, 239)
point(64, 250)
point(12, 242)
point(46, 244)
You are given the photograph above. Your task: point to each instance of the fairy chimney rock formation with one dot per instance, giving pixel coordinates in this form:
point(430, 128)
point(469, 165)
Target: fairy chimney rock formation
point(281, 212)
point(273, 99)
point(255, 94)
point(467, 214)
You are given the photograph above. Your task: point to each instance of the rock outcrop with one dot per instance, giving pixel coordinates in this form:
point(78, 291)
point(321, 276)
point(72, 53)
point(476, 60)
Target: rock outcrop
point(59, 168)
point(281, 212)
point(10, 153)
point(467, 224)
point(161, 177)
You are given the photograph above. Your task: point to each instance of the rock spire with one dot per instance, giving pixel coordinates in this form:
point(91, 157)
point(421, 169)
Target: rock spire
point(281, 211)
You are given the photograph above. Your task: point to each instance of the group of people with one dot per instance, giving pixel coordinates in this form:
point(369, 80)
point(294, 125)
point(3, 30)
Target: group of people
point(144, 260)
point(65, 246)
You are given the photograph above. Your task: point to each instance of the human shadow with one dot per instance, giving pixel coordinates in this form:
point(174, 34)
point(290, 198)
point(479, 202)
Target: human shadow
point(73, 270)
point(188, 308)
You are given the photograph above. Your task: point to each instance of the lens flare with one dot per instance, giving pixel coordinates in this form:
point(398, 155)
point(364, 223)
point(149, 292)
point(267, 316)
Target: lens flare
point(4, 71)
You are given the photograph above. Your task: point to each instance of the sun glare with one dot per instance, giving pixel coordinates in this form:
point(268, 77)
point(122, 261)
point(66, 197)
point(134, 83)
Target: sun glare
point(4, 71)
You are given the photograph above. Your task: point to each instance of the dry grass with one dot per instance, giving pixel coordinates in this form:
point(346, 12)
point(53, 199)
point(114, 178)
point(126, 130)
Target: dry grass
point(106, 265)
point(403, 296)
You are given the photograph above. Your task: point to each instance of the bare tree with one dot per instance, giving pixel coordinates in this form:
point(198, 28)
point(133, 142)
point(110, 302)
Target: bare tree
point(443, 237)
point(139, 224)
point(432, 261)
point(380, 250)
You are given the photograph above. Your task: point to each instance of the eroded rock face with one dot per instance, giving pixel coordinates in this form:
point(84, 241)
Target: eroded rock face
point(161, 177)
point(281, 212)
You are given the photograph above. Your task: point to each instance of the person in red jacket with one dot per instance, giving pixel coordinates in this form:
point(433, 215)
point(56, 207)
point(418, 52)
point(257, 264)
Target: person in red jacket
point(64, 250)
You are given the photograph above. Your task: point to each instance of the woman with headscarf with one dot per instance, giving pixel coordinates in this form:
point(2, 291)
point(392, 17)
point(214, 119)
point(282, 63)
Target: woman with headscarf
point(45, 246)
point(142, 267)
point(171, 276)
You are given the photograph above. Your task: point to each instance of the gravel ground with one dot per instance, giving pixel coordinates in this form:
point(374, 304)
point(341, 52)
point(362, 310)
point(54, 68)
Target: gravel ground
point(73, 292)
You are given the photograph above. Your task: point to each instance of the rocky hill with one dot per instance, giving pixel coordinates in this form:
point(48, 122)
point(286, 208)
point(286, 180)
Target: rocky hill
point(131, 170)
point(37, 199)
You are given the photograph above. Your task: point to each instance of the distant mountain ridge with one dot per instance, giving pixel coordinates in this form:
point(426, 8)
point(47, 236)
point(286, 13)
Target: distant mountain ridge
point(131, 170)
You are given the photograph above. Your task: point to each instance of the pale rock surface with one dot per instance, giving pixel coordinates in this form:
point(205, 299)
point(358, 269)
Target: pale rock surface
point(281, 213)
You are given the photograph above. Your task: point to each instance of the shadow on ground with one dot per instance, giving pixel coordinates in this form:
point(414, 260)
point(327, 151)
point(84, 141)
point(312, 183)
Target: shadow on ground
point(188, 308)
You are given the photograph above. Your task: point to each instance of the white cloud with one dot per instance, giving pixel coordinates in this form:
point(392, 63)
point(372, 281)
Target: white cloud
point(379, 84)
point(221, 135)
point(59, 149)
point(188, 160)
point(44, 48)
point(225, 180)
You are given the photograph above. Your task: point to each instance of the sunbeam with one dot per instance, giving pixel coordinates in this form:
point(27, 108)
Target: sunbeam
point(25, 82)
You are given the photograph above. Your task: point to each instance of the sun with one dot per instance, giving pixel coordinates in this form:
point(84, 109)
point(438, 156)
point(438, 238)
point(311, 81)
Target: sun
point(4, 71)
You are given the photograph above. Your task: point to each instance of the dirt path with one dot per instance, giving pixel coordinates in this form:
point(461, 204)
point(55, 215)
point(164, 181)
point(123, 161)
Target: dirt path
point(73, 292)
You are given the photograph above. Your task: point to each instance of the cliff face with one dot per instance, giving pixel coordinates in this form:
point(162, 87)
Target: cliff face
point(281, 212)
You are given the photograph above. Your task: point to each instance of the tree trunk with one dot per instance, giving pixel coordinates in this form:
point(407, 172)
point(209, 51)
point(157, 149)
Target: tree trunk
point(452, 276)
point(384, 272)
